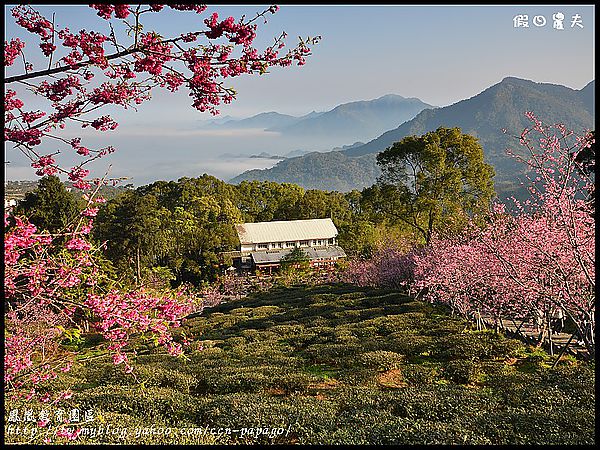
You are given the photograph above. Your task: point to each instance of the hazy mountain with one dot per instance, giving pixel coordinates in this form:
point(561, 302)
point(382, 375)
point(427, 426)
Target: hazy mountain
point(297, 152)
point(361, 120)
point(484, 116)
point(265, 155)
point(216, 121)
point(326, 171)
point(310, 115)
point(347, 147)
point(262, 120)
point(349, 122)
point(18, 189)
point(500, 106)
point(266, 120)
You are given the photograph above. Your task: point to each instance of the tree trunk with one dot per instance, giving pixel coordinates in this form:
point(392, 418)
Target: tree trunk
point(138, 268)
point(564, 349)
point(549, 325)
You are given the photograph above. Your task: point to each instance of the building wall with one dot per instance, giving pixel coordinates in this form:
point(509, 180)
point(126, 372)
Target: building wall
point(288, 244)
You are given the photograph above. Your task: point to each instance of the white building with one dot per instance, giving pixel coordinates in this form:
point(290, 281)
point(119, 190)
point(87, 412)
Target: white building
point(9, 203)
point(263, 244)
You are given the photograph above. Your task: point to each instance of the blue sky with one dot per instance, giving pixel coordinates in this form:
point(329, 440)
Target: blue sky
point(440, 54)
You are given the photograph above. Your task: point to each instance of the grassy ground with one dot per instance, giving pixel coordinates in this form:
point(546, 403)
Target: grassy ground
point(341, 365)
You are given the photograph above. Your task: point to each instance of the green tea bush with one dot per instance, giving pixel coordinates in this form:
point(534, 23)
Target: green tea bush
point(154, 404)
point(234, 341)
point(295, 383)
point(208, 352)
point(287, 330)
point(358, 377)
point(362, 332)
point(413, 346)
point(304, 419)
point(463, 371)
point(532, 427)
point(263, 311)
point(343, 365)
point(221, 321)
point(381, 360)
point(419, 374)
point(324, 353)
point(234, 379)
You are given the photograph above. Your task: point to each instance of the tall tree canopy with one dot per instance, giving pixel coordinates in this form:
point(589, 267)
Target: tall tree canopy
point(50, 207)
point(432, 182)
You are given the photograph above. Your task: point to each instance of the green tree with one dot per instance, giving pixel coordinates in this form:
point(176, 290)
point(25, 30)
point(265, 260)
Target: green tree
point(132, 227)
point(433, 182)
point(50, 206)
point(316, 204)
point(357, 238)
point(179, 228)
point(294, 260)
point(199, 232)
point(264, 201)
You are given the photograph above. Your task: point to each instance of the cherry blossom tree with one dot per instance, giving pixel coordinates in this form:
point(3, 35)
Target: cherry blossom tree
point(87, 70)
point(533, 259)
point(528, 260)
point(55, 289)
point(391, 265)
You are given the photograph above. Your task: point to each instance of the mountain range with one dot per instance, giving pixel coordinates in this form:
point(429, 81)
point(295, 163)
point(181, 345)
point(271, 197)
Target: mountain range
point(325, 171)
point(349, 122)
point(267, 121)
point(355, 121)
point(484, 115)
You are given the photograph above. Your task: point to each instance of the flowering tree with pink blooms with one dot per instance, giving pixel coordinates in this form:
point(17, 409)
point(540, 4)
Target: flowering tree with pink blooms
point(55, 289)
point(534, 260)
point(390, 265)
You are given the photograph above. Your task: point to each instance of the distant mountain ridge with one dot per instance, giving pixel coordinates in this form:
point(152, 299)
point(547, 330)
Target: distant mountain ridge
point(499, 106)
point(262, 120)
point(484, 115)
point(588, 96)
point(351, 122)
point(487, 113)
point(360, 120)
point(325, 171)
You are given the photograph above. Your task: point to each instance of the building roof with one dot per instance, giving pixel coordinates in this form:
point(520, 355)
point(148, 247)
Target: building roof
point(285, 230)
point(314, 253)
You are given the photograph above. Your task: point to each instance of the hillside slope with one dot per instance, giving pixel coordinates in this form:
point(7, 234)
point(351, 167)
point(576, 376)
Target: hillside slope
point(340, 365)
point(330, 171)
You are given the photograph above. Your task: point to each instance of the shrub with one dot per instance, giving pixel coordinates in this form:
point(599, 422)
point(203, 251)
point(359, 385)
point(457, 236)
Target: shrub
point(463, 371)
point(381, 360)
point(418, 374)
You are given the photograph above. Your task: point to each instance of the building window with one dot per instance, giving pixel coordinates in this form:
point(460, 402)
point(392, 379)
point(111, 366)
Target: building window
point(263, 246)
point(303, 243)
point(280, 244)
point(290, 244)
point(331, 241)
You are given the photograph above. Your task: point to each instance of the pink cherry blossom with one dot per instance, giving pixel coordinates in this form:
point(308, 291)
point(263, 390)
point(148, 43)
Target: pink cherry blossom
point(53, 283)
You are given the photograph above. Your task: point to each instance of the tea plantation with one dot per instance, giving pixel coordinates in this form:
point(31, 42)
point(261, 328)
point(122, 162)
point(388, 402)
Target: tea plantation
point(338, 365)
